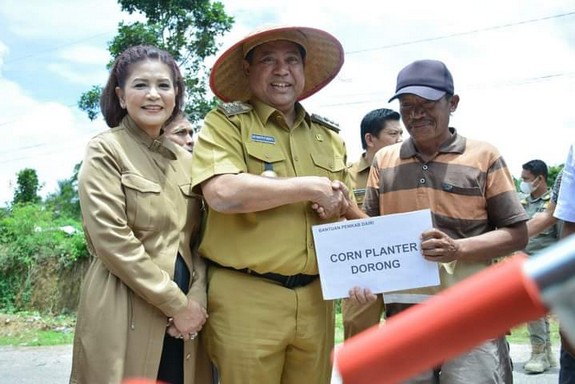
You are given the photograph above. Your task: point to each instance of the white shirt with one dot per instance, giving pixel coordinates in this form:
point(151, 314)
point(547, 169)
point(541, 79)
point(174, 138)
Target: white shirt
point(565, 209)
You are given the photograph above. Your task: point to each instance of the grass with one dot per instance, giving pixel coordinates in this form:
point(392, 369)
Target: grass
point(32, 329)
point(518, 335)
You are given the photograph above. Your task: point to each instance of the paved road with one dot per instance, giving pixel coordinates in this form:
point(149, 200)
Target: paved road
point(51, 365)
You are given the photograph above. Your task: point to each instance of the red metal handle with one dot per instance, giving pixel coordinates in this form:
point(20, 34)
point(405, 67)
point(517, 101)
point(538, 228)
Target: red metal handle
point(484, 306)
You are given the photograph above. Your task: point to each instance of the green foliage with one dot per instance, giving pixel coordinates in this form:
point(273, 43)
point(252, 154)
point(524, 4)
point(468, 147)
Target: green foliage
point(27, 187)
point(133, 34)
point(552, 173)
point(187, 29)
point(90, 102)
point(65, 203)
point(28, 234)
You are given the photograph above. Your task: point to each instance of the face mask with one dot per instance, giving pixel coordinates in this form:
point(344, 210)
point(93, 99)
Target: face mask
point(527, 187)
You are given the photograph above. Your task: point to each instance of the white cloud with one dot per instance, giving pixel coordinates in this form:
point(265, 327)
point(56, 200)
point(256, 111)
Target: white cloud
point(85, 54)
point(62, 19)
point(3, 53)
point(46, 136)
point(78, 75)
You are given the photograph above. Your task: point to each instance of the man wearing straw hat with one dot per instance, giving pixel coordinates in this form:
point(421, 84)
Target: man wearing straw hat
point(268, 171)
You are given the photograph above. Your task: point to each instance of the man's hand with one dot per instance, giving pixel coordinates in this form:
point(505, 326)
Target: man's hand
point(438, 246)
point(361, 295)
point(333, 203)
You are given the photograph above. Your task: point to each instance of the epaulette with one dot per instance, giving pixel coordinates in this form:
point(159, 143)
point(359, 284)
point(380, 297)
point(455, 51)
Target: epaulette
point(325, 122)
point(234, 108)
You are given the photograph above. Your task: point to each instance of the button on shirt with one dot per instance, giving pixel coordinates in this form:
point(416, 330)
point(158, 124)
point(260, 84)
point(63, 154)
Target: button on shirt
point(277, 240)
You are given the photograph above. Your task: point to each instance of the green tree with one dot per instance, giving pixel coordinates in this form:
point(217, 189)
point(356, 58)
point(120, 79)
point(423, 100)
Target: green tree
point(187, 29)
point(552, 173)
point(65, 202)
point(27, 187)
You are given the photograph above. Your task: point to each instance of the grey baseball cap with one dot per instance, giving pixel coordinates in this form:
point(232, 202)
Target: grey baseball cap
point(429, 79)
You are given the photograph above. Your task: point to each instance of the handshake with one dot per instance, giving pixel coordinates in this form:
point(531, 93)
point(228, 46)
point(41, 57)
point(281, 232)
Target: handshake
point(334, 201)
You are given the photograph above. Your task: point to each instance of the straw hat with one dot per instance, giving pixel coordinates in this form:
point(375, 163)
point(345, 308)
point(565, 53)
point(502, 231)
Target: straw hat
point(324, 58)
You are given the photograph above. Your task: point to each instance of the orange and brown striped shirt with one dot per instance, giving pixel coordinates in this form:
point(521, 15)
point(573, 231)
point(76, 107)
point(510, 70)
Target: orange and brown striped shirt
point(467, 187)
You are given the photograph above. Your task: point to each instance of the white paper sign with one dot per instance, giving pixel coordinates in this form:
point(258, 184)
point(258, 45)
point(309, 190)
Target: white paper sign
point(380, 253)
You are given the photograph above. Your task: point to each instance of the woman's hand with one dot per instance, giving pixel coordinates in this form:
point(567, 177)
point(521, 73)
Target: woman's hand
point(187, 323)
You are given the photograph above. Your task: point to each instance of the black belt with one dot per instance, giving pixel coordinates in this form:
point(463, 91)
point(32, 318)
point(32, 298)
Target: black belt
point(294, 281)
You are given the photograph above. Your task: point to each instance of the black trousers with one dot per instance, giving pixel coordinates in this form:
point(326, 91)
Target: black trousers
point(171, 368)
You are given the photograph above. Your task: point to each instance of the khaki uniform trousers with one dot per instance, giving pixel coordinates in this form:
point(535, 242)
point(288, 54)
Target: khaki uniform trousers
point(359, 317)
point(261, 332)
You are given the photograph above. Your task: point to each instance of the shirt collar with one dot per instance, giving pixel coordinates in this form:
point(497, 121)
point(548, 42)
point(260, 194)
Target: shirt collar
point(455, 144)
point(545, 196)
point(161, 144)
point(265, 112)
point(362, 164)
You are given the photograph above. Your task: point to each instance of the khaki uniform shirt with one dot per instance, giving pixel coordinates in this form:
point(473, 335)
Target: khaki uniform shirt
point(549, 235)
point(252, 140)
point(358, 173)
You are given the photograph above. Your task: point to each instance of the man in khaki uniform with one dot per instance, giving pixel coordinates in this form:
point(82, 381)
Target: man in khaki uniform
point(269, 171)
point(379, 128)
point(536, 200)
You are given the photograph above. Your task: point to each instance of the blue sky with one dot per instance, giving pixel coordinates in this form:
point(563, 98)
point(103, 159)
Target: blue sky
point(512, 62)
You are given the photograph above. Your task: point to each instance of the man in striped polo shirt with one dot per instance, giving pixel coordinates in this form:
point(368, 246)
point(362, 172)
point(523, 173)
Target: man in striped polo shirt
point(475, 210)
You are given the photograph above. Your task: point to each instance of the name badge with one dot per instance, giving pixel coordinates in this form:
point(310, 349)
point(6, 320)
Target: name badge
point(263, 139)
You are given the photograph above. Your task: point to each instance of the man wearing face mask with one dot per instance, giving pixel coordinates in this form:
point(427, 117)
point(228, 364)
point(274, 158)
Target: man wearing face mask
point(537, 199)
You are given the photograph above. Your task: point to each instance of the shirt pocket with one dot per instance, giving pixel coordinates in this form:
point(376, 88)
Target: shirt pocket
point(330, 166)
point(262, 157)
point(465, 190)
point(465, 200)
point(144, 204)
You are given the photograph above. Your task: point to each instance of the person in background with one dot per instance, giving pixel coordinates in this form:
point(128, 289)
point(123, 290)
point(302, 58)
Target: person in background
point(475, 211)
point(543, 220)
point(537, 199)
point(565, 211)
point(268, 171)
point(181, 132)
point(379, 128)
point(143, 299)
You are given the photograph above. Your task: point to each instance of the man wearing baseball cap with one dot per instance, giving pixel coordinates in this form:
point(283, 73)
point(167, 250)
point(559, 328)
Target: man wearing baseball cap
point(268, 171)
point(475, 211)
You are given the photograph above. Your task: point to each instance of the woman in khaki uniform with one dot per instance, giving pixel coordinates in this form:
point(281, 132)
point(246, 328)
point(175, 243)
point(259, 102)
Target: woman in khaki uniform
point(143, 299)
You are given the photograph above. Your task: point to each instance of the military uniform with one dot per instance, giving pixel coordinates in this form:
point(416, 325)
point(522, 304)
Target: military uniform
point(264, 329)
point(359, 317)
point(549, 235)
point(539, 330)
point(358, 173)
